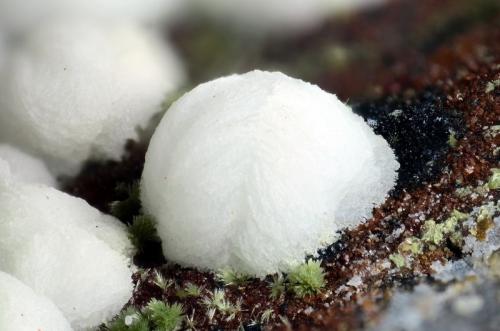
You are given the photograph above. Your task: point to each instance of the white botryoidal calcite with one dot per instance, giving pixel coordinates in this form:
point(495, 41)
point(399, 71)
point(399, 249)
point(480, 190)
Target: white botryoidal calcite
point(277, 16)
point(255, 171)
point(25, 167)
point(69, 98)
point(21, 309)
point(64, 250)
point(20, 15)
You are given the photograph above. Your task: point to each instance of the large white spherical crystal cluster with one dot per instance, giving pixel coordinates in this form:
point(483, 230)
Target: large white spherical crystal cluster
point(21, 309)
point(20, 15)
point(277, 16)
point(256, 171)
point(64, 250)
point(80, 89)
point(25, 167)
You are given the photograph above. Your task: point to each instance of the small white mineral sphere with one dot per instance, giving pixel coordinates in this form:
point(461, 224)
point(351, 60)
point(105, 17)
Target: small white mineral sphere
point(79, 89)
point(21, 309)
point(25, 167)
point(65, 250)
point(277, 16)
point(256, 171)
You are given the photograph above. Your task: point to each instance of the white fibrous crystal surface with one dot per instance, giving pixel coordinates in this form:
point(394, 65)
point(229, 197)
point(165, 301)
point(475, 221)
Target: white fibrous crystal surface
point(68, 99)
point(65, 250)
point(25, 167)
point(255, 171)
point(21, 309)
point(17, 16)
point(278, 16)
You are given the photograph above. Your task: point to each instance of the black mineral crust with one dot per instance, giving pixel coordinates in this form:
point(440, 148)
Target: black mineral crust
point(419, 129)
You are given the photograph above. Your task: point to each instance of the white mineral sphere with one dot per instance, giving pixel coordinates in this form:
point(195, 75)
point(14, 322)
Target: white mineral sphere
point(65, 250)
point(255, 171)
point(25, 167)
point(24, 310)
point(277, 16)
point(74, 90)
point(5, 175)
point(20, 15)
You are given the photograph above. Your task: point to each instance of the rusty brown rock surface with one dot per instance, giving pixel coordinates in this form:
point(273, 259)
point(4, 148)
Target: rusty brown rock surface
point(362, 274)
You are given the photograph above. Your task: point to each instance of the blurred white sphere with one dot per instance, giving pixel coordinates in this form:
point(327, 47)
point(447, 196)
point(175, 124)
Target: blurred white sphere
point(24, 310)
point(256, 171)
point(64, 250)
point(277, 16)
point(26, 168)
point(80, 89)
point(17, 16)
